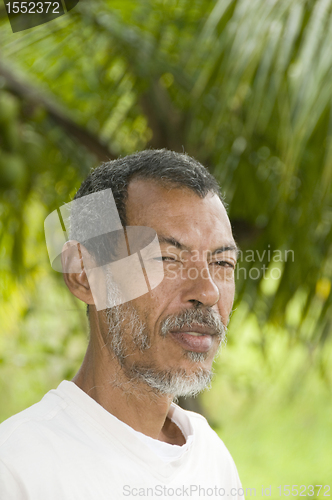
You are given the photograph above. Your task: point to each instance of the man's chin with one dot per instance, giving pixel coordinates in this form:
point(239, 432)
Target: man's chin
point(196, 357)
point(171, 382)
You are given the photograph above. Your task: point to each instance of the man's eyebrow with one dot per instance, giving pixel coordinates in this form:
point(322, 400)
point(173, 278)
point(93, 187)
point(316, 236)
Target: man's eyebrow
point(175, 243)
point(172, 241)
point(227, 248)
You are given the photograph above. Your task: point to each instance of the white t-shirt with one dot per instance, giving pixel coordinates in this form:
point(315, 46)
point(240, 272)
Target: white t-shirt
point(68, 447)
point(167, 452)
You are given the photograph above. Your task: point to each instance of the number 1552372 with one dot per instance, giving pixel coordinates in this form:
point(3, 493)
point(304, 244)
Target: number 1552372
point(33, 7)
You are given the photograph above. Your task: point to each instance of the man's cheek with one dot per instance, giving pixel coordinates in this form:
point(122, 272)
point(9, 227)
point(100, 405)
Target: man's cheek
point(226, 300)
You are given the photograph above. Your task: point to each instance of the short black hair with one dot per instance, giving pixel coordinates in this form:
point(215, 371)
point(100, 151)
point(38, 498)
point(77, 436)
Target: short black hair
point(168, 168)
point(162, 165)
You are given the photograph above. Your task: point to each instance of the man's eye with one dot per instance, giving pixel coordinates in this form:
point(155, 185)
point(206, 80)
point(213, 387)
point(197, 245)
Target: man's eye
point(164, 258)
point(224, 263)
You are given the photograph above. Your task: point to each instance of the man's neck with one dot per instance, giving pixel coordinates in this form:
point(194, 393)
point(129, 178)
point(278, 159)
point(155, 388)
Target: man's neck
point(134, 403)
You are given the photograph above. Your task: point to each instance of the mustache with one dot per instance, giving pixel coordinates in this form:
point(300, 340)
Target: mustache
point(191, 317)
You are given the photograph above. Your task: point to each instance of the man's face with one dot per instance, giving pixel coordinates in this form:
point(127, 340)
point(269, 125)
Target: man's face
point(169, 337)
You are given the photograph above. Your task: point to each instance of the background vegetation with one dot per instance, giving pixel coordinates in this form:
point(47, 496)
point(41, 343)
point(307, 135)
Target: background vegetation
point(243, 86)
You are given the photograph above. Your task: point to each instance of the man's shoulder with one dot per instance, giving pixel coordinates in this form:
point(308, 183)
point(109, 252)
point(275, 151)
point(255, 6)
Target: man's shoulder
point(197, 420)
point(24, 426)
point(207, 439)
point(202, 428)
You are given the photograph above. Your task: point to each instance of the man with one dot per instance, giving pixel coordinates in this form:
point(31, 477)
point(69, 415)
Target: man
point(114, 430)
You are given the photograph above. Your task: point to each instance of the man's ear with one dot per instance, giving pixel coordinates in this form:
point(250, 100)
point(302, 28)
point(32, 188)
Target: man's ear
point(73, 257)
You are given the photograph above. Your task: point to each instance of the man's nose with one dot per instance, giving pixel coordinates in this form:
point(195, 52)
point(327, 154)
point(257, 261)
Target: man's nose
point(199, 286)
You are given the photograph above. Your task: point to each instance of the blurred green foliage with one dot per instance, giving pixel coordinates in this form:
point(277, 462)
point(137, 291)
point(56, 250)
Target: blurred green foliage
point(244, 87)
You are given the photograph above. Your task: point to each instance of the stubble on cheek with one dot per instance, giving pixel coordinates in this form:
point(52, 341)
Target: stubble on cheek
point(127, 334)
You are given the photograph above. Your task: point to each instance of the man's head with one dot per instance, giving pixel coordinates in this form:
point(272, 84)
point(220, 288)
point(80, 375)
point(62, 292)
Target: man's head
point(168, 337)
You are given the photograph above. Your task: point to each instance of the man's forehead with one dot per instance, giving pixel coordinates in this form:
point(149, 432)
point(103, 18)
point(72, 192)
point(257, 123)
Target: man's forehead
point(179, 215)
point(149, 198)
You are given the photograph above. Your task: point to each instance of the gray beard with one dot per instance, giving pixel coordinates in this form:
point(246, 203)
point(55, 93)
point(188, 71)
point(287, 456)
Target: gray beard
point(174, 382)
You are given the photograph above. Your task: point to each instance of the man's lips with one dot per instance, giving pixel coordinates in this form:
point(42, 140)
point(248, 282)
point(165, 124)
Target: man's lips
point(194, 338)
